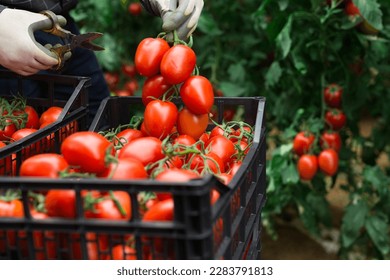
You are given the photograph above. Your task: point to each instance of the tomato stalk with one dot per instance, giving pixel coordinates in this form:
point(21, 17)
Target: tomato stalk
point(38, 201)
point(10, 195)
point(117, 203)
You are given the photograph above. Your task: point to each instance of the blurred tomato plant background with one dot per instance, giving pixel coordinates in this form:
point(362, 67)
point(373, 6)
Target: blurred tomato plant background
point(290, 52)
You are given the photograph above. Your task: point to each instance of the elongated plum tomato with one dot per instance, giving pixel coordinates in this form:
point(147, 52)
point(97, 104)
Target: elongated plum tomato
point(160, 117)
point(191, 124)
point(149, 54)
point(328, 162)
point(178, 64)
point(331, 139)
point(154, 87)
point(222, 147)
point(87, 150)
point(146, 149)
point(197, 94)
point(125, 168)
point(43, 165)
point(307, 166)
point(302, 142)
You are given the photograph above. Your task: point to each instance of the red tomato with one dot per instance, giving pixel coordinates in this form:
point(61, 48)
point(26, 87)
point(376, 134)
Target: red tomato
point(112, 80)
point(225, 178)
point(107, 208)
point(214, 163)
point(24, 132)
point(32, 117)
point(6, 130)
point(129, 70)
point(160, 117)
point(127, 135)
point(135, 8)
point(9, 209)
point(177, 64)
point(146, 149)
point(87, 150)
point(234, 167)
point(302, 142)
point(331, 139)
point(336, 119)
point(154, 87)
point(132, 86)
point(328, 161)
point(351, 10)
point(43, 165)
point(123, 92)
point(222, 147)
point(61, 203)
point(332, 95)
point(161, 211)
point(149, 54)
point(197, 94)
point(191, 124)
point(50, 115)
point(123, 252)
point(125, 168)
point(307, 166)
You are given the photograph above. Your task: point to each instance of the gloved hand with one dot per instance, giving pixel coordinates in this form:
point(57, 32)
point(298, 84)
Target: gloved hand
point(19, 51)
point(179, 15)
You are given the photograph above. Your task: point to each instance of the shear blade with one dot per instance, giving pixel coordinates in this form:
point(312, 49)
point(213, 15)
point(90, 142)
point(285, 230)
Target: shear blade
point(84, 41)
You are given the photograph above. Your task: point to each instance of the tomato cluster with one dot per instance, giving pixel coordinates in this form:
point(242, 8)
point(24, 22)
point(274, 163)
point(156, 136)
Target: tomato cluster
point(329, 142)
point(123, 82)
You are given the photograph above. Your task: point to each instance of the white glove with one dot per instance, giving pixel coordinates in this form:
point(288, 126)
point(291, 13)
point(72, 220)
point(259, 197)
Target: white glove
point(179, 15)
point(19, 51)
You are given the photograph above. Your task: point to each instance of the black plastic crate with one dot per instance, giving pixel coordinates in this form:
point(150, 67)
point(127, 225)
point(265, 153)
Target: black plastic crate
point(229, 229)
point(51, 90)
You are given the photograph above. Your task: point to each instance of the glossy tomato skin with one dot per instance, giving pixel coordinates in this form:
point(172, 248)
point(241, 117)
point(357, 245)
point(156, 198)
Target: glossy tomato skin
point(50, 115)
point(149, 54)
point(351, 9)
point(191, 124)
point(154, 88)
point(129, 70)
point(107, 209)
point(160, 118)
point(61, 203)
point(211, 161)
point(7, 130)
point(328, 162)
point(125, 168)
point(336, 119)
point(32, 117)
point(307, 166)
point(177, 64)
point(135, 8)
point(88, 150)
point(331, 139)
point(43, 165)
point(146, 149)
point(302, 142)
point(127, 135)
point(222, 147)
point(333, 95)
point(9, 209)
point(197, 94)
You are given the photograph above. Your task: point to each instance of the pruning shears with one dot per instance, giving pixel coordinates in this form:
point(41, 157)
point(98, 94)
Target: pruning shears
point(73, 40)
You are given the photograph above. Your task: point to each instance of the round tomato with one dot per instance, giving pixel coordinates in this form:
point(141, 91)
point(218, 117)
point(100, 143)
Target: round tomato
point(87, 150)
point(135, 8)
point(211, 161)
point(197, 94)
point(328, 162)
point(336, 119)
point(191, 124)
point(146, 149)
point(32, 120)
point(154, 87)
point(129, 70)
point(61, 203)
point(161, 211)
point(112, 80)
point(125, 168)
point(6, 130)
point(307, 166)
point(149, 54)
point(302, 142)
point(43, 165)
point(109, 207)
point(222, 147)
point(332, 95)
point(50, 115)
point(131, 86)
point(331, 139)
point(177, 64)
point(160, 118)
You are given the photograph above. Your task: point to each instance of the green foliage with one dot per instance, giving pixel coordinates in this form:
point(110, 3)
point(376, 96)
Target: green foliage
point(288, 51)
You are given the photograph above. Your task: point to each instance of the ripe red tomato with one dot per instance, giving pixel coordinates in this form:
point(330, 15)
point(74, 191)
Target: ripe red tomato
point(177, 64)
point(351, 9)
point(125, 168)
point(108, 209)
point(149, 54)
point(307, 166)
point(24, 132)
point(154, 87)
point(43, 165)
point(197, 94)
point(132, 86)
point(32, 120)
point(161, 211)
point(6, 130)
point(146, 149)
point(332, 95)
point(160, 118)
point(328, 162)
point(336, 119)
point(222, 147)
point(331, 139)
point(50, 115)
point(87, 150)
point(9, 209)
point(212, 162)
point(123, 252)
point(234, 167)
point(61, 203)
point(135, 8)
point(122, 92)
point(191, 124)
point(129, 70)
point(112, 80)
point(127, 135)
point(225, 178)
point(302, 142)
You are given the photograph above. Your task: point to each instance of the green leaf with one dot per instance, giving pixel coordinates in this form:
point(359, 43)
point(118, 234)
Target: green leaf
point(299, 62)
point(353, 220)
point(290, 174)
point(231, 89)
point(237, 72)
point(283, 150)
point(273, 74)
point(308, 217)
point(370, 10)
point(378, 229)
point(283, 40)
point(321, 207)
point(208, 25)
point(283, 4)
